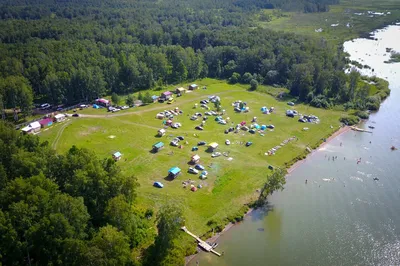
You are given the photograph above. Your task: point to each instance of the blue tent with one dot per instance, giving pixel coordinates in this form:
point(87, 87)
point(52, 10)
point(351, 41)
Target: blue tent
point(174, 171)
point(158, 184)
point(263, 127)
point(264, 109)
point(95, 106)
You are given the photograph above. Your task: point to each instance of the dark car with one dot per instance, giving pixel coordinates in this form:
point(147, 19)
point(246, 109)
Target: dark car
point(161, 100)
point(252, 131)
point(231, 129)
point(249, 143)
point(199, 128)
point(201, 143)
point(180, 137)
point(75, 115)
point(205, 118)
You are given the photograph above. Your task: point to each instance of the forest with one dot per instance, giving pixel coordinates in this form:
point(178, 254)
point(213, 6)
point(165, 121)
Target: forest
point(67, 52)
point(75, 209)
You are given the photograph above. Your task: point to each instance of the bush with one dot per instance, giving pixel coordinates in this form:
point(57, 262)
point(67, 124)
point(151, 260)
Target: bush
point(253, 84)
point(350, 120)
point(234, 78)
point(362, 114)
point(320, 102)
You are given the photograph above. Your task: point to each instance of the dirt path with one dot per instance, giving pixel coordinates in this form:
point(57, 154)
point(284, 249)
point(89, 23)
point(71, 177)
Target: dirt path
point(60, 131)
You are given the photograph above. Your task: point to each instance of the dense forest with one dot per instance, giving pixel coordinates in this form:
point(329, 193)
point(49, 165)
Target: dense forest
point(72, 51)
point(75, 209)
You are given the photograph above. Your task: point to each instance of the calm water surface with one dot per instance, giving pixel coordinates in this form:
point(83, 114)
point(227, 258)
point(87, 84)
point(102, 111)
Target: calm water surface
point(342, 216)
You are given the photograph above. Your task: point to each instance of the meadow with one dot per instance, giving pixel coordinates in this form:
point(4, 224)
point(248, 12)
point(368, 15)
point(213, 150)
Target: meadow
point(230, 184)
point(351, 17)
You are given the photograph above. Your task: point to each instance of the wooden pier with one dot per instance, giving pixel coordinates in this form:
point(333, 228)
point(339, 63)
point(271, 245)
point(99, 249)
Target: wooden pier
point(204, 245)
point(360, 129)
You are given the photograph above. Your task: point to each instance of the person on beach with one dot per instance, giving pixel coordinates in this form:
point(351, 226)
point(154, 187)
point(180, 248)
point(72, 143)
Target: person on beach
point(306, 181)
point(340, 144)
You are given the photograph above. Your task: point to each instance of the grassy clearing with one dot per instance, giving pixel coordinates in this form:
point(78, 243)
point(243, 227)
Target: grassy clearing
point(307, 23)
point(230, 183)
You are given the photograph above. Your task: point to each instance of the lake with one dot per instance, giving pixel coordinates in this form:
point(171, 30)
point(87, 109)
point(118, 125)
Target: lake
point(342, 216)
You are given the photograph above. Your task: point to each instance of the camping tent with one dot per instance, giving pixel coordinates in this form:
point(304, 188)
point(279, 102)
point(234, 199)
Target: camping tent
point(117, 156)
point(195, 158)
point(174, 171)
point(158, 146)
point(263, 127)
point(161, 132)
point(213, 146)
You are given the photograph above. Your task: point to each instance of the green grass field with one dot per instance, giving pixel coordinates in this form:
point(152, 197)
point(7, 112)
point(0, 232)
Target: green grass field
point(230, 184)
point(307, 23)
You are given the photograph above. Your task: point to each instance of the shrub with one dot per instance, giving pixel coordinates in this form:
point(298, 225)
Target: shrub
point(362, 114)
point(350, 120)
point(234, 78)
point(320, 102)
point(253, 84)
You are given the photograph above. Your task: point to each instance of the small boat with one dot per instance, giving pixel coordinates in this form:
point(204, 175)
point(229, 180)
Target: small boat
point(371, 127)
point(393, 148)
point(376, 179)
point(215, 245)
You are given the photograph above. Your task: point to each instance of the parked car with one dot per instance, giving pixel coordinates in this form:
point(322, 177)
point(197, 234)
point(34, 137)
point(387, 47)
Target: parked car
point(192, 170)
point(199, 167)
point(291, 103)
point(226, 131)
point(193, 117)
point(75, 115)
point(180, 138)
point(201, 143)
point(176, 125)
point(45, 106)
point(170, 101)
point(249, 143)
point(124, 107)
point(199, 128)
point(204, 101)
point(216, 154)
point(271, 126)
point(302, 120)
point(252, 131)
point(161, 100)
point(116, 110)
point(227, 142)
point(174, 143)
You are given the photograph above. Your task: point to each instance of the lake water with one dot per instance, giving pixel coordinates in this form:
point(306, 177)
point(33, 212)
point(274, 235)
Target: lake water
point(341, 216)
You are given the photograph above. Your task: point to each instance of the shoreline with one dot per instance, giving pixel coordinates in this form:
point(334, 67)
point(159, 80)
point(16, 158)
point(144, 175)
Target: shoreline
point(337, 133)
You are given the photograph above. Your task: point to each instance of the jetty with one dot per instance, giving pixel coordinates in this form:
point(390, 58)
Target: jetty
point(360, 129)
point(204, 245)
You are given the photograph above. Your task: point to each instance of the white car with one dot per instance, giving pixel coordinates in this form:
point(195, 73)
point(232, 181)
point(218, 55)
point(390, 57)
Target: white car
point(176, 125)
point(216, 154)
point(124, 107)
point(193, 171)
point(174, 143)
point(116, 110)
point(227, 142)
